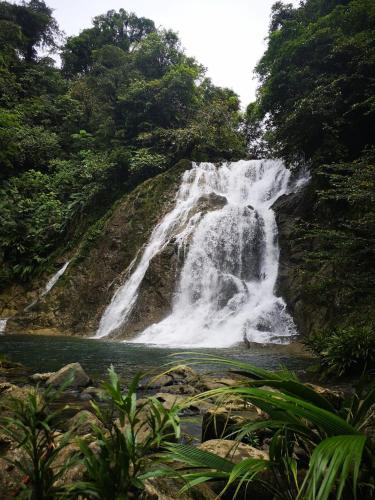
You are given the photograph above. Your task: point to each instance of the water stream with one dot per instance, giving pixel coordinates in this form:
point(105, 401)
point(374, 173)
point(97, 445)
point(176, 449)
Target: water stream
point(225, 291)
point(3, 325)
point(48, 287)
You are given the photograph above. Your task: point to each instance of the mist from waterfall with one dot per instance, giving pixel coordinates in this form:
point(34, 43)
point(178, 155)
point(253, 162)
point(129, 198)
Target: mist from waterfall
point(225, 291)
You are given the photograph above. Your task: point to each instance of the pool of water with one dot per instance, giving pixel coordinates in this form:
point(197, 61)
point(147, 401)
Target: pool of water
point(49, 353)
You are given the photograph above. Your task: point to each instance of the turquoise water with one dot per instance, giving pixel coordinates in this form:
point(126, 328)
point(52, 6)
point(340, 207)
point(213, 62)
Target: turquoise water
point(49, 353)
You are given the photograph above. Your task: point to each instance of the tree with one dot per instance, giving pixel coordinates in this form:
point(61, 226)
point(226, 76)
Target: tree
point(315, 105)
point(120, 29)
point(35, 26)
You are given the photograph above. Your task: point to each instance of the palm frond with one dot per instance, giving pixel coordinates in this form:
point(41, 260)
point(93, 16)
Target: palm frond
point(195, 457)
point(333, 462)
point(268, 401)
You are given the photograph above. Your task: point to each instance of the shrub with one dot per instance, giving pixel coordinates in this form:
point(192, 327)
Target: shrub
point(31, 425)
point(346, 351)
point(131, 432)
point(316, 451)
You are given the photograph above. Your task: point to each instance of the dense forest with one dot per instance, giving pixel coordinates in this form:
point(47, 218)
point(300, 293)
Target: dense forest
point(316, 106)
point(126, 104)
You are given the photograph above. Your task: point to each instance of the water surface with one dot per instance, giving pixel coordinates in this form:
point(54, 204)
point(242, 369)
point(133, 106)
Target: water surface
point(49, 353)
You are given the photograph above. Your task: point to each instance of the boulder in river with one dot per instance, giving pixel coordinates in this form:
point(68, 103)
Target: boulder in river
point(221, 421)
point(74, 370)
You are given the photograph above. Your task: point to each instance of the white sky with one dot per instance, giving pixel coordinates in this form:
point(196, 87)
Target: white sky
point(226, 36)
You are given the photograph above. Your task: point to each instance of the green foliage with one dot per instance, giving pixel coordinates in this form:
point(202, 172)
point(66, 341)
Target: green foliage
point(32, 426)
point(347, 351)
point(315, 105)
point(339, 457)
point(120, 29)
point(338, 238)
point(127, 103)
point(36, 207)
point(34, 26)
point(144, 161)
point(316, 84)
point(126, 444)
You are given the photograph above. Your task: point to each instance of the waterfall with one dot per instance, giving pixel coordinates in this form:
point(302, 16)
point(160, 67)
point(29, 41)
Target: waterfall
point(52, 282)
point(48, 287)
point(225, 292)
point(3, 324)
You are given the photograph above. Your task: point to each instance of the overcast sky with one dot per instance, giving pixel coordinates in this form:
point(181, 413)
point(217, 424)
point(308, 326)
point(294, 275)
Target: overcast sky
point(226, 36)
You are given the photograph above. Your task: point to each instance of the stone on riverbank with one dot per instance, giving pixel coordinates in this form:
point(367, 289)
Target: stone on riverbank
point(234, 451)
point(74, 370)
point(41, 377)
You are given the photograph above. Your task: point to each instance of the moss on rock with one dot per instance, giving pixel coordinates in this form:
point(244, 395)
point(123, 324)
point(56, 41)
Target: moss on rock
point(75, 305)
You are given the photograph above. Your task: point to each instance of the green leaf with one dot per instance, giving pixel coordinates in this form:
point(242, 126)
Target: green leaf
point(195, 457)
point(333, 463)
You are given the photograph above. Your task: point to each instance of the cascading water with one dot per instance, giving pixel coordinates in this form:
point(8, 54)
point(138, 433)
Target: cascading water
point(3, 324)
point(225, 292)
point(52, 282)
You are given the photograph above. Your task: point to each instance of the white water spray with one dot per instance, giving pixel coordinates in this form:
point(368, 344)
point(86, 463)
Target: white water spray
point(3, 324)
point(52, 282)
point(225, 292)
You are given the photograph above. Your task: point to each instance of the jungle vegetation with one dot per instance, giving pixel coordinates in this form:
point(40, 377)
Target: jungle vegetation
point(315, 105)
point(125, 104)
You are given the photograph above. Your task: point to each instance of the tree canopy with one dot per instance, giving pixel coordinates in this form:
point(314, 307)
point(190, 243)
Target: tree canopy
point(315, 105)
point(126, 104)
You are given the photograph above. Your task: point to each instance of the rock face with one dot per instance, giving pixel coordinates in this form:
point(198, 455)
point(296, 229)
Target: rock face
point(156, 292)
point(220, 422)
point(209, 202)
point(75, 305)
point(74, 370)
point(290, 210)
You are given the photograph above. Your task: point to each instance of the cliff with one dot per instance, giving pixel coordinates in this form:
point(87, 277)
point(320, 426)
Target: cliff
point(100, 264)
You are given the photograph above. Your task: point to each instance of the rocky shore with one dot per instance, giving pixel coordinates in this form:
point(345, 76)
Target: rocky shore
point(207, 423)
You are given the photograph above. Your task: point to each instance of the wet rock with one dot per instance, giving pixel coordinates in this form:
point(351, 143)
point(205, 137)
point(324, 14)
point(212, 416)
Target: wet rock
point(10, 393)
point(94, 393)
point(334, 396)
point(74, 370)
point(156, 292)
point(222, 421)
point(157, 382)
point(233, 450)
point(77, 304)
point(5, 442)
point(187, 406)
point(82, 422)
point(71, 474)
point(169, 489)
point(209, 202)
point(10, 477)
point(41, 377)
point(211, 383)
point(182, 375)
point(309, 314)
point(182, 390)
